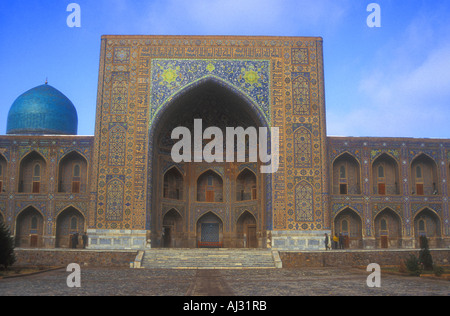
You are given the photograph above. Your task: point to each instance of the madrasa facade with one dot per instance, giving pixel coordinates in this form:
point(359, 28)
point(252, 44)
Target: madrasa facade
point(123, 188)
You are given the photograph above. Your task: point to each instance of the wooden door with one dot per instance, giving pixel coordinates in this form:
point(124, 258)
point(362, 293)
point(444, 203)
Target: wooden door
point(75, 186)
point(36, 187)
point(209, 196)
point(252, 241)
point(419, 188)
point(33, 241)
point(346, 242)
point(381, 188)
point(384, 242)
point(167, 242)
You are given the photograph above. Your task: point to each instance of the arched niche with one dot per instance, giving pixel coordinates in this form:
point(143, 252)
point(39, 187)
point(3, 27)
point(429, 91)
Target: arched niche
point(32, 174)
point(385, 176)
point(346, 175)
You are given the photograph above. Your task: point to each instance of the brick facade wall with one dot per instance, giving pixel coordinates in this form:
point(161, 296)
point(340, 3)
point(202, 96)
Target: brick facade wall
point(63, 258)
point(355, 258)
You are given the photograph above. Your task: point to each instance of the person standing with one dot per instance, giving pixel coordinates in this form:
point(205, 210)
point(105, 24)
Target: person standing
point(85, 240)
point(335, 241)
point(327, 241)
point(75, 241)
point(341, 241)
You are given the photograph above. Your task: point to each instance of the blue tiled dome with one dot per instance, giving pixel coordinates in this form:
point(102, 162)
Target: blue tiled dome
point(42, 110)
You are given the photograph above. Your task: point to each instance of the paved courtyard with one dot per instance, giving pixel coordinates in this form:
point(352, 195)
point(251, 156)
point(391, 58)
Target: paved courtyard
point(271, 282)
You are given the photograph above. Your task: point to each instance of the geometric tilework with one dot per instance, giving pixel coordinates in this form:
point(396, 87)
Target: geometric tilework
point(300, 56)
point(302, 148)
point(250, 77)
point(304, 203)
point(300, 89)
point(117, 137)
point(121, 55)
point(114, 204)
point(119, 98)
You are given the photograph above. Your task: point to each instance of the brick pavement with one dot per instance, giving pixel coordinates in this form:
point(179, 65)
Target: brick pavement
point(252, 282)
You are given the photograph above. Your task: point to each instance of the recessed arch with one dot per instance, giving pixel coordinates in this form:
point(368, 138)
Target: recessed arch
point(246, 185)
point(172, 229)
point(427, 222)
point(210, 187)
point(29, 228)
point(348, 223)
point(388, 229)
point(73, 173)
point(207, 80)
point(173, 184)
point(385, 175)
point(210, 231)
point(246, 229)
point(424, 174)
point(69, 222)
point(218, 104)
point(346, 174)
point(32, 173)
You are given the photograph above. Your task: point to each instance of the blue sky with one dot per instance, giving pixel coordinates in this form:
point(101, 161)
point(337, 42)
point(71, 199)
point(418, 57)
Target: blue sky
point(392, 81)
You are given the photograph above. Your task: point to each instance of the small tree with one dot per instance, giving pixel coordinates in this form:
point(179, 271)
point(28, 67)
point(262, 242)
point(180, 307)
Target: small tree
point(7, 257)
point(425, 255)
point(413, 265)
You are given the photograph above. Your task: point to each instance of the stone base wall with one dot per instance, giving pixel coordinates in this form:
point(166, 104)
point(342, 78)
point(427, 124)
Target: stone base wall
point(299, 240)
point(60, 257)
point(352, 258)
point(109, 239)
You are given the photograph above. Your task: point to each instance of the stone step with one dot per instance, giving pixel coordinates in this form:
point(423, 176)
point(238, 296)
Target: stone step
point(207, 258)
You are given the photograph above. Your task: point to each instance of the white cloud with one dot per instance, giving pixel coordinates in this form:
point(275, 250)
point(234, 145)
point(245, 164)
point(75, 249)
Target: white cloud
point(406, 92)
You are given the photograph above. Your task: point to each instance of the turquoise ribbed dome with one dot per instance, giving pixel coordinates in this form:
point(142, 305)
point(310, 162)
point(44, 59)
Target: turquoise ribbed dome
point(40, 111)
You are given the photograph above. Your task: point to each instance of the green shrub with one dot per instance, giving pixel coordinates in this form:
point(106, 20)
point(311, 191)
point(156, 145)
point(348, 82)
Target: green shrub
point(413, 265)
point(425, 255)
point(7, 257)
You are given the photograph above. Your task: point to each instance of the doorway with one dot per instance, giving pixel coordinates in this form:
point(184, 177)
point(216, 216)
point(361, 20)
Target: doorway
point(209, 231)
point(167, 236)
point(252, 241)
